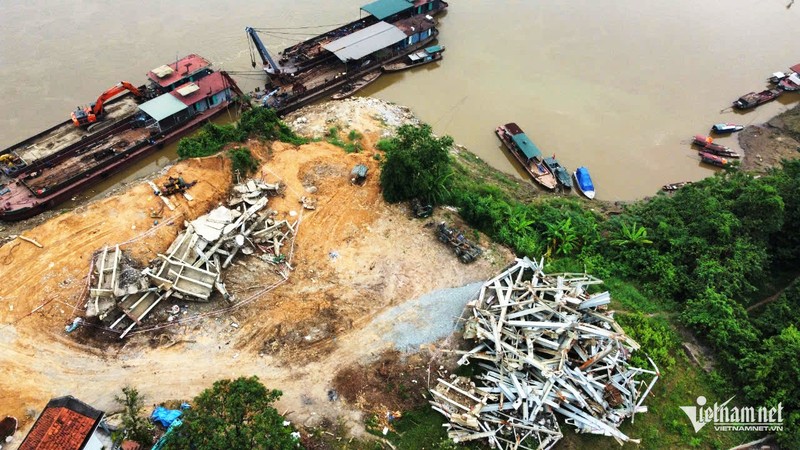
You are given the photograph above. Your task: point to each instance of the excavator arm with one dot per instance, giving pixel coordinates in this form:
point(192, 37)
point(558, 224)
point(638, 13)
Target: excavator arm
point(91, 113)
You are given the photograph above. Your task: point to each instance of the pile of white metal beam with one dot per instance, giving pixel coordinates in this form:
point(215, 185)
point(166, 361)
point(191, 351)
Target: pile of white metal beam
point(544, 347)
point(192, 267)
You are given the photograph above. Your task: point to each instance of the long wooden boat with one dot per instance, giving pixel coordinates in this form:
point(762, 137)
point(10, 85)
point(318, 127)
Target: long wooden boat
point(753, 99)
point(713, 160)
point(420, 58)
point(726, 128)
point(158, 122)
point(675, 186)
point(527, 153)
point(353, 87)
point(708, 145)
point(584, 182)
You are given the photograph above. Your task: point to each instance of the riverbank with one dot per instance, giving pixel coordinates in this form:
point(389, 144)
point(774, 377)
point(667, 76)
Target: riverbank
point(765, 145)
point(363, 269)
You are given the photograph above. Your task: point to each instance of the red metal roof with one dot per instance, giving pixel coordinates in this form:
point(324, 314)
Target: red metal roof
point(65, 424)
point(182, 68)
point(209, 85)
point(795, 68)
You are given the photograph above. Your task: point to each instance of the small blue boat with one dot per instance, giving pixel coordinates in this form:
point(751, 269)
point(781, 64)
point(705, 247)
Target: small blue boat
point(584, 182)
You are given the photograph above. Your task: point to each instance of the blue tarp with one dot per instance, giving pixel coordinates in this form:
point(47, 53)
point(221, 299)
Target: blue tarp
point(163, 441)
point(164, 416)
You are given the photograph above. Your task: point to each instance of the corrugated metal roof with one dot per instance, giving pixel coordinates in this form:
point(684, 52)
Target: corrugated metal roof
point(528, 148)
point(434, 48)
point(162, 106)
point(363, 42)
point(206, 86)
point(385, 8)
point(180, 69)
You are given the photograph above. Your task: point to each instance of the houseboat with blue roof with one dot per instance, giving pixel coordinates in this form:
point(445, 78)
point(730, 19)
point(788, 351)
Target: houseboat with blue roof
point(527, 153)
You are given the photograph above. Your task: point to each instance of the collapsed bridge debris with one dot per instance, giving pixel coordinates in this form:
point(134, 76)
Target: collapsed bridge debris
point(545, 347)
point(192, 267)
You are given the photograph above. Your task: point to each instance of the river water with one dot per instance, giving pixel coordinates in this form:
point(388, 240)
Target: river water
point(618, 86)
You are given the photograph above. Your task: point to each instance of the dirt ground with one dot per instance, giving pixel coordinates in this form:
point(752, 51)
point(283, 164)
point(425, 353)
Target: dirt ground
point(353, 257)
point(765, 145)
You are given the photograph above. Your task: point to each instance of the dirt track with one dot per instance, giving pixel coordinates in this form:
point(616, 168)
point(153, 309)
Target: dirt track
point(294, 337)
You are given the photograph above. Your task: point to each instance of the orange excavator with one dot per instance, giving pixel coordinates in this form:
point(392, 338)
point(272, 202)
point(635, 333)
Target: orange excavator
point(92, 113)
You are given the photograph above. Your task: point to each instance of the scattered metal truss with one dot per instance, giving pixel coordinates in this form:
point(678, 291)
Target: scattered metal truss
point(544, 347)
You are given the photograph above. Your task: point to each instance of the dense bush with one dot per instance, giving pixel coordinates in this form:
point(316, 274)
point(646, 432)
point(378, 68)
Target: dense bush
point(262, 123)
point(243, 161)
point(417, 164)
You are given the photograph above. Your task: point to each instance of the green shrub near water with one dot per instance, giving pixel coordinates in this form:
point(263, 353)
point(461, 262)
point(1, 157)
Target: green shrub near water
point(262, 123)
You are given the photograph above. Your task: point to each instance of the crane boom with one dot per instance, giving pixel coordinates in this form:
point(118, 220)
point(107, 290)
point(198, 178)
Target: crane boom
point(271, 68)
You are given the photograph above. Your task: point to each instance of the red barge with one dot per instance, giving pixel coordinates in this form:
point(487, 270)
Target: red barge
point(188, 98)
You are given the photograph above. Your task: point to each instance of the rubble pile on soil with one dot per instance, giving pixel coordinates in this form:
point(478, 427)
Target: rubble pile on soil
point(358, 113)
point(544, 347)
point(192, 267)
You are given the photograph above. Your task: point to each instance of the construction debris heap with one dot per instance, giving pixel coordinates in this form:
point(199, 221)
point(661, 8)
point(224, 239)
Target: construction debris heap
point(192, 267)
point(544, 347)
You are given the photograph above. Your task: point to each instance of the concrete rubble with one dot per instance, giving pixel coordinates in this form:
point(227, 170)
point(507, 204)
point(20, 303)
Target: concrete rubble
point(191, 268)
point(544, 347)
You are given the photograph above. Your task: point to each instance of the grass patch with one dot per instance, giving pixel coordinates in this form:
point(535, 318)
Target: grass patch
point(351, 145)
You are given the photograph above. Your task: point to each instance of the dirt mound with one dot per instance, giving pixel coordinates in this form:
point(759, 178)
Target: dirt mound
point(354, 257)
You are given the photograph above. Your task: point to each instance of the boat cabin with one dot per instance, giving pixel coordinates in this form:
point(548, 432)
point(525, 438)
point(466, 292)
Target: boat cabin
point(523, 146)
point(173, 108)
point(391, 10)
point(169, 76)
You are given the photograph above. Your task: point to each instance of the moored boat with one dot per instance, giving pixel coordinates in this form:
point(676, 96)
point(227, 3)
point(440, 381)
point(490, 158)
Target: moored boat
point(790, 83)
point(712, 159)
point(675, 186)
point(776, 77)
point(753, 99)
point(351, 57)
point(157, 122)
point(584, 182)
point(724, 128)
point(118, 110)
point(422, 57)
point(561, 173)
point(527, 153)
point(708, 144)
point(356, 85)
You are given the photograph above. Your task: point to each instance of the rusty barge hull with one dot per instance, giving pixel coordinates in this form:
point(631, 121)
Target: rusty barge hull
point(36, 204)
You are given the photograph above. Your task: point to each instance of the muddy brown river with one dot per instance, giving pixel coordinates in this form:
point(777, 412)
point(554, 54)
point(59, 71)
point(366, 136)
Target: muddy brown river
point(618, 86)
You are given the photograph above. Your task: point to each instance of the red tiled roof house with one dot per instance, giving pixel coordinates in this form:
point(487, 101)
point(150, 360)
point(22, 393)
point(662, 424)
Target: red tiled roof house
point(65, 424)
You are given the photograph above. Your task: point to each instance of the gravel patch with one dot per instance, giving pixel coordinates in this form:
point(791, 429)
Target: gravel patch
point(425, 319)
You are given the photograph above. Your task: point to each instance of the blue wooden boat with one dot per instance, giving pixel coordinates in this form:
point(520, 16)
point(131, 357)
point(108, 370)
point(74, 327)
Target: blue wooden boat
point(584, 182)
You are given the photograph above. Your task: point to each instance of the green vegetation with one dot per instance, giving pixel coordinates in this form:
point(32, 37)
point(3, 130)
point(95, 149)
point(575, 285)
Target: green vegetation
point(233, 414)
point(135, 426)
point(697, 258)
point(353, 143)
point(243, 161)
point(416, 164)
point(262, 123)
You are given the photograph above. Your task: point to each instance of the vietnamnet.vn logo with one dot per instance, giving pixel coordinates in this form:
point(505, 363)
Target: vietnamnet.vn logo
point(734, 418)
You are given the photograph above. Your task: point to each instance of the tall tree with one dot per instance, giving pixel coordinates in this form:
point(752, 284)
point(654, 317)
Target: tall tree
point(233, 414)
